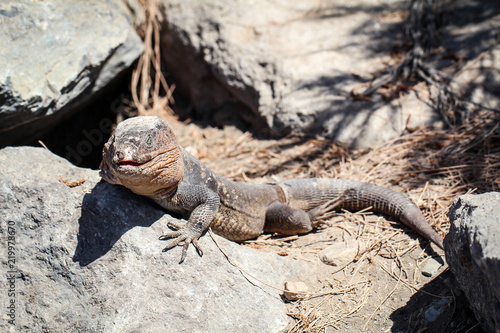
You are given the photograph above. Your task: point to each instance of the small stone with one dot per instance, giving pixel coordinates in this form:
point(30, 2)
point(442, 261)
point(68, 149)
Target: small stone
point(339, 254)
point(295, 290)
point(435, 311)
point(432, 266)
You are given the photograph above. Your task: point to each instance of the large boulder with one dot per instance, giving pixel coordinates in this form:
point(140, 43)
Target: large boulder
point(55, 56)
point(472, 248)
point(87, 258)
point(290, 66)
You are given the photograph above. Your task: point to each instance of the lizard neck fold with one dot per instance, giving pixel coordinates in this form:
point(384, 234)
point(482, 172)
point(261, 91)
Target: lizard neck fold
point(160, 177)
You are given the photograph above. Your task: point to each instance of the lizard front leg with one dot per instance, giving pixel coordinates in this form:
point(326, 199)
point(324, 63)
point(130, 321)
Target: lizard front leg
point(203, 204)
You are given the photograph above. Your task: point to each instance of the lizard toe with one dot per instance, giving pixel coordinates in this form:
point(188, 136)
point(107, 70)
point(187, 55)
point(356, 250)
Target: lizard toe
point(176, 225)
point(169, 235)
point(184, 250)
point(174, 242)
point(184, 235)
point(197, 247)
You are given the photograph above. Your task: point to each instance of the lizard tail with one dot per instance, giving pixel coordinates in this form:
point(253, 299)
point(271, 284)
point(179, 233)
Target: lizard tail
point(309, 193)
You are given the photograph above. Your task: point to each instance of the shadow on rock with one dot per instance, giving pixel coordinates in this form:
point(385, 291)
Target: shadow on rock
point(108, 212)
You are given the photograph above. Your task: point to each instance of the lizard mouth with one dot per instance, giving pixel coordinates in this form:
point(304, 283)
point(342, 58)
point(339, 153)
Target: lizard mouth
point(129, 163)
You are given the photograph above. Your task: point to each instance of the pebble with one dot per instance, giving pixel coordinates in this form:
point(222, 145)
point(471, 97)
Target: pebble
point(432, 266)
point(339, 254)
point(295, 290)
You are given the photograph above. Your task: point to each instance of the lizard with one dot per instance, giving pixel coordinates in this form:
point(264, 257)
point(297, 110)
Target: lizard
point(143, 155)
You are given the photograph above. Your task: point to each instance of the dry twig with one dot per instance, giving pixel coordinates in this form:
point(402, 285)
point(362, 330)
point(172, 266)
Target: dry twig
point(147, 78)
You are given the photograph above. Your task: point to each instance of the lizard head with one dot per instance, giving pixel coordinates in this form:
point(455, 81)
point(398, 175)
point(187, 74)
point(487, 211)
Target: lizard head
point(143, 155)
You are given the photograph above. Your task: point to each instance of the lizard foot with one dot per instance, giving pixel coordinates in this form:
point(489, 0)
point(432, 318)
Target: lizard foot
point(182, 234)
point(319, 214)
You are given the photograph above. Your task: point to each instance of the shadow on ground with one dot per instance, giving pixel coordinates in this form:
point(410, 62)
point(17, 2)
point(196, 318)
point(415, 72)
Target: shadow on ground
point(425, 312)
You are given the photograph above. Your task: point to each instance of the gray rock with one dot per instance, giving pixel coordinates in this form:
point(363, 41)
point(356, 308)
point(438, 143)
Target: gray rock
point(55, 56)
point(472, 248)
point(88, 258)
point(290, 65)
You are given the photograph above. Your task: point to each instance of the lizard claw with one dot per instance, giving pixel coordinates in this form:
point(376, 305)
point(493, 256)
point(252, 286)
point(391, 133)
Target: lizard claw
point(183, 234)
point(320, 213)
point(197, 247)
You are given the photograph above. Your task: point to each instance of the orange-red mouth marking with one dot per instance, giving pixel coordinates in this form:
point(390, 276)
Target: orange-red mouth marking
point(128, 163)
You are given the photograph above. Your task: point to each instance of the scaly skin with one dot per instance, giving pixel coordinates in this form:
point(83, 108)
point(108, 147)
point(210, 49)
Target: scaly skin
point(143, 155)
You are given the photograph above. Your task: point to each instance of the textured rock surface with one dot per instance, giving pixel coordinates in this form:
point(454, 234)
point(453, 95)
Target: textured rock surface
point(293, 63)
point(472, 248)
point(87, 259)
point(56, 54)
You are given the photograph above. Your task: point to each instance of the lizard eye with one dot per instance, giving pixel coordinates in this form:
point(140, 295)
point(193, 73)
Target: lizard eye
point(149, 140)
